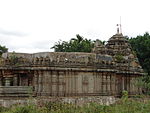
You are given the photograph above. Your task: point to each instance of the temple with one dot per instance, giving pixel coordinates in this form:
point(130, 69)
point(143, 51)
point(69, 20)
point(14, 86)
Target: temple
point(108, 70)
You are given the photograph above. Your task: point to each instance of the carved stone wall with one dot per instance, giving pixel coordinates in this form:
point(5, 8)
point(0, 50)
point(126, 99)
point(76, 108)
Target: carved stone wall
point(74, 83)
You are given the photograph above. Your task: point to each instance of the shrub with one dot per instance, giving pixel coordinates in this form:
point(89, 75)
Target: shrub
point(127, 106)
point(119, 58)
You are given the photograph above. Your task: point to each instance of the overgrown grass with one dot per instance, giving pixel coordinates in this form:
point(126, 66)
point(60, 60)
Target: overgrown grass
point(125, 105)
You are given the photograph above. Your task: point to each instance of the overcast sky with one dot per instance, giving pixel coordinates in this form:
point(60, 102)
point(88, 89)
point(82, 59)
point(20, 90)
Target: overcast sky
point(35, 25)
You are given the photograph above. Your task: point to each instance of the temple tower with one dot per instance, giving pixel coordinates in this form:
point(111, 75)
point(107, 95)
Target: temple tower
point(99, 47)
point(118, 44)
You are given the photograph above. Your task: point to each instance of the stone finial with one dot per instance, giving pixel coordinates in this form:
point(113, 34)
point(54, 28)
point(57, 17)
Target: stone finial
point(117, 28)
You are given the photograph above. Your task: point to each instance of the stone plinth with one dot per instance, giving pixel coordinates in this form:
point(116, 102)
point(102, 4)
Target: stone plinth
point(15, 91)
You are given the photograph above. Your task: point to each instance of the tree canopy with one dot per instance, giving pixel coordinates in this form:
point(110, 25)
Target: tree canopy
point(78, 44)
point(3, 49)
point(141, 45)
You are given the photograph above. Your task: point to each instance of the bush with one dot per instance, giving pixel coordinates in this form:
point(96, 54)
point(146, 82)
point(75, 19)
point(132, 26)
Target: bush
point(119, 58)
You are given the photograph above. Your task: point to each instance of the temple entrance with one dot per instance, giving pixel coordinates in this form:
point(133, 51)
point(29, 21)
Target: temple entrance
point(23, 79)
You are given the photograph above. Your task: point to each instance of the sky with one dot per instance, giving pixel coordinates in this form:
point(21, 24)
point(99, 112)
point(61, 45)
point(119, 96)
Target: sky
point(30, 26)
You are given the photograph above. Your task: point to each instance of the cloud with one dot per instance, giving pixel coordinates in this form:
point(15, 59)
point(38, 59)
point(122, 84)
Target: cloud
point(12, 33)
point(29, 46)
point(27, 29)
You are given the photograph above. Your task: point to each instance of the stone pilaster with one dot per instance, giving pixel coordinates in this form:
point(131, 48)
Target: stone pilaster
point(1, 78)
point(15, 80)
point(1, 82)
point(7, 81)
point(40, 82)
point(35, 82)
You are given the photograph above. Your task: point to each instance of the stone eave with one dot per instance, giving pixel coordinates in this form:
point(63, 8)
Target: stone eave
point(70, 69)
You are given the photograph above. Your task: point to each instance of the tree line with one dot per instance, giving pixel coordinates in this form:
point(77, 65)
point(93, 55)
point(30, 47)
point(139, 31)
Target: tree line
point(78, 44)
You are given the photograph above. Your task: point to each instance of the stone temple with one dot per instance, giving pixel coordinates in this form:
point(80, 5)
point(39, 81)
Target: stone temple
point(107, 71)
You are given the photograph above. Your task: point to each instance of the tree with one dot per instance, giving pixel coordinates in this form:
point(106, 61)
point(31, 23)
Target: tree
point(141, 46)
point(78, 44)
point(3, 49)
